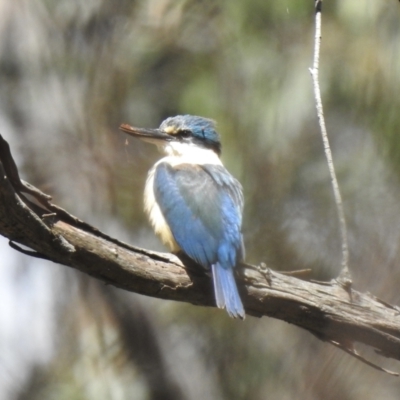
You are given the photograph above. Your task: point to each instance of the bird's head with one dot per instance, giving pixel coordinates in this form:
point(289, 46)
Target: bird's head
point(179, 134)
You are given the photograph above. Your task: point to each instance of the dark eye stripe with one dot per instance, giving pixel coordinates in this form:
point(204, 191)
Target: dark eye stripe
point(184, 133)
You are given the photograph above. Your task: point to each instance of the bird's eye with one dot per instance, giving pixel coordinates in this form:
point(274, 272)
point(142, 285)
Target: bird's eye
point(184, 133)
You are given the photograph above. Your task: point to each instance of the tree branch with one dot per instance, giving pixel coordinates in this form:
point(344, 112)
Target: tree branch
point(325, 309)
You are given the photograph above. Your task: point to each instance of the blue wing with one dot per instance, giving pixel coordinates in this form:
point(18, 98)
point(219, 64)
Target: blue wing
point(202, 205)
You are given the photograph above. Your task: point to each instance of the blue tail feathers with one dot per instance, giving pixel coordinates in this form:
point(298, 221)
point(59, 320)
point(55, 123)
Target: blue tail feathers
point(226, 293)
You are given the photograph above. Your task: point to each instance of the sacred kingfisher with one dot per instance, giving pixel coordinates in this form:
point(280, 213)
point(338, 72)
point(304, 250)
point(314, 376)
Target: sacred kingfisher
point(194, 204)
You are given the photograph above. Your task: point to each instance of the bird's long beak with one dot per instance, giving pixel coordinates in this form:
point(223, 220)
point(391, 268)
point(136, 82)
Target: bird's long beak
point(148, 135)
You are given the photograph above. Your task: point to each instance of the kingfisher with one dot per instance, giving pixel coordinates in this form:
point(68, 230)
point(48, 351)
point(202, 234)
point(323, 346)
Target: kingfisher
point(193, 203)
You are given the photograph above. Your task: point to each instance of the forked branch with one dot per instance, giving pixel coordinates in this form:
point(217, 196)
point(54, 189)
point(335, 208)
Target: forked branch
point(326, 310)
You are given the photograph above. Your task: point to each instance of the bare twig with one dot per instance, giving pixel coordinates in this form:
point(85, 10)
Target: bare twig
point(354, 354)
point(30, 253)
point(335, 186)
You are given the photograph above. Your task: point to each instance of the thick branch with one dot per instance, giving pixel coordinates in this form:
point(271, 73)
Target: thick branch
point(325, 309)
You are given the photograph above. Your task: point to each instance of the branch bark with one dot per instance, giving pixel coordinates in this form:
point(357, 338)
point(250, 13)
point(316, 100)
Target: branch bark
point(333, 313)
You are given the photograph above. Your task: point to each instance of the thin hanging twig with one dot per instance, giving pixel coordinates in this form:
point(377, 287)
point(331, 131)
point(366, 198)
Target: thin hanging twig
point(317, 93)
point(359, 357)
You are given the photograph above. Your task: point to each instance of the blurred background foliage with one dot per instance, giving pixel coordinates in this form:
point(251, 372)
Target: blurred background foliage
point(71, 71)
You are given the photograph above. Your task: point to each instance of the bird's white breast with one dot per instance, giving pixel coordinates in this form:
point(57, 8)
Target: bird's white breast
point(155, 215)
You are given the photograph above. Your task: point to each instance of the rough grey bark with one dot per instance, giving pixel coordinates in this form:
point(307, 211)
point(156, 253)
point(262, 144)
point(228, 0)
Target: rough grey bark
point(329, 310)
